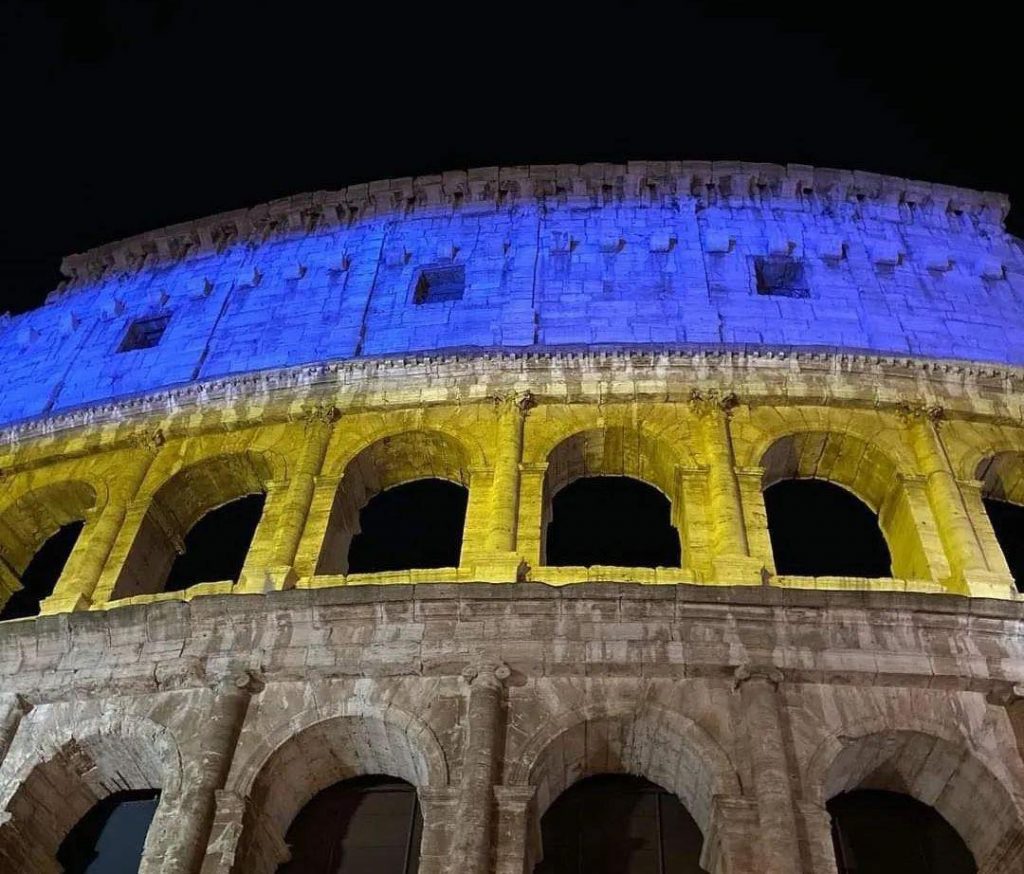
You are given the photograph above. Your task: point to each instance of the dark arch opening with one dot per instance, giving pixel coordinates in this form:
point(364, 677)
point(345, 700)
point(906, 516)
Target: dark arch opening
point(368, 824)
point(414, 525)
point(109, 839)
point(618, 824)
point(819, 529)
point(877, 832)
point(216, 546)
point(612, 520)
point(42, 573)
point(1008, 523)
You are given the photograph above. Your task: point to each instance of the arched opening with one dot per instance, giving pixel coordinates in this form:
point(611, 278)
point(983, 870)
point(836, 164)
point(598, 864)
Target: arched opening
point(612, 520)
point(216, 546)
point(1002, 478)
point(819, 529)
point(366, 824)
point(198, 527)
point(40, 576)
point(880, 832)
point(38, 532)
point(413, 525)
point(401, 504)
point(109, 839)
point(619, 824)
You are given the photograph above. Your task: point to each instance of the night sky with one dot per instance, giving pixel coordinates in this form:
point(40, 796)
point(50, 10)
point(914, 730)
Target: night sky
point(123, 117)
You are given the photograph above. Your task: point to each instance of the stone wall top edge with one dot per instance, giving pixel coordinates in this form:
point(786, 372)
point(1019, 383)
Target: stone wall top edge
point(310, 382)
point(642, 181)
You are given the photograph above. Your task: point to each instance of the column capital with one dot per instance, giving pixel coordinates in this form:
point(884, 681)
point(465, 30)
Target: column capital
point(913, 412)
point(518, 401)
point(704, 402)
point(748, 673)
point(491, 675)
point(151, 441)
point(324, 413)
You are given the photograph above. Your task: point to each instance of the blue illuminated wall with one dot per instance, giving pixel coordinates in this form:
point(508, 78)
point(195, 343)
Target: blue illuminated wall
point(637, 254)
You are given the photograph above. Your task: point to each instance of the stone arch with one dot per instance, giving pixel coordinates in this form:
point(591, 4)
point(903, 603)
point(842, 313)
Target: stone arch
point(649, 741)
point(862, 468)
point(29, 520)
point(181, 500)
point(933, 764)
point(316, 749)
point(1001, 474)
point(381, 463)
point(608, 451)
point(58, 775)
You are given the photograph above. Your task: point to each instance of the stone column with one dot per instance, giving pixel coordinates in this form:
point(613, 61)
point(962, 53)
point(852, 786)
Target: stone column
point(731, 842)
point(816, 834)
point(732, 561)
point(178, 836)
point(271, 566)
point(517, 849)
point(439, 808)
point(758, 690)
point(78, 581)
point(481, 760)
point(512, 411)
point(531, 512)
point(12, 708)
point(970, 575)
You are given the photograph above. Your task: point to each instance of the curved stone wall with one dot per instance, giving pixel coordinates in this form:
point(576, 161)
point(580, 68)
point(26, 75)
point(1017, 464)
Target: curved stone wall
point(645, 254)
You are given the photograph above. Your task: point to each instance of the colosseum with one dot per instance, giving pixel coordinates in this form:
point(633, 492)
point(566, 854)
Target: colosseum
point(410, 417)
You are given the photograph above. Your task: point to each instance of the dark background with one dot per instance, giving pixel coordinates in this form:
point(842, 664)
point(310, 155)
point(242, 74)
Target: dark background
point(120, 117)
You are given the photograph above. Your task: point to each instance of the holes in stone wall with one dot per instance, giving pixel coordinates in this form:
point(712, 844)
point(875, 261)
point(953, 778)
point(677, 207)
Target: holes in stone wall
point(617, 824)
point(144, 333)
point(781, 276)
point(216, 546)
point(440, 284)
point(109, 839)
point(819, 529)
point(42, 573)
point(356, 826)
point(413, 525)
point(612, 520)
point(889, 833)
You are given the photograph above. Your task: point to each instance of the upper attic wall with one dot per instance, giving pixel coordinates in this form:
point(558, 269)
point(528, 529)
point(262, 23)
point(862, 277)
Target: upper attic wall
point(635, 254)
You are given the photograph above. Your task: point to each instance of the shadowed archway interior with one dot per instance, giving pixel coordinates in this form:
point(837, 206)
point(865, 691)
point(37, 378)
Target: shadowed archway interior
point(819, 529)
point(612, 520)
point(414, 525)
point(366, 825)
point(879, 832)
point(619, 824)
point(40, 576)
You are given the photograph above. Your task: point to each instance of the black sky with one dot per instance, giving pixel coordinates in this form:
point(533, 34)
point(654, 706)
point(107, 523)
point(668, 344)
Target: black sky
point(122, 117)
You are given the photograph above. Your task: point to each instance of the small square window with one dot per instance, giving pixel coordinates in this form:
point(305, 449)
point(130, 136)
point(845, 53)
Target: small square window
point(440, 284)
point(144, 333)
point(780, 275)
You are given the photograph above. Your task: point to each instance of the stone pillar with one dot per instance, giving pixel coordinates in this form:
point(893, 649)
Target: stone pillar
point(512, 411)
point(270, 564)
point(177, 841)
point(750, 481)
point(12, 708)
point(517, 849)
point(732, 561)
point(761, 719)
point(439, 808)
point(731, 841)
point(816, 835)
point(970, 575)
point(264, 850)
point(79, 579)
point(530, 529)
point(314, 536)
point(481, 759)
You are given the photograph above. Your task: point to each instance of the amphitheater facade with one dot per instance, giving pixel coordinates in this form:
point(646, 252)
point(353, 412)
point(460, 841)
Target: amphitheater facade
point(707, 329)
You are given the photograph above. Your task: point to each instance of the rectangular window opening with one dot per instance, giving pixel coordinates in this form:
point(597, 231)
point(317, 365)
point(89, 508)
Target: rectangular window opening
point(780, 275)
point(440, 284)
point(144, 333)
